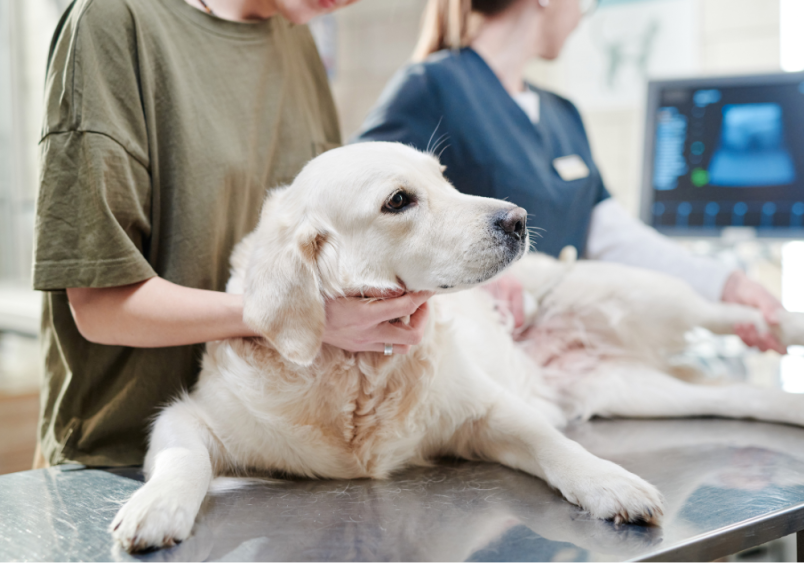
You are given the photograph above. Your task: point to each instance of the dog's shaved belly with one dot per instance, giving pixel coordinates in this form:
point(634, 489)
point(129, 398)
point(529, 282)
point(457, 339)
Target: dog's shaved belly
point(359, 415)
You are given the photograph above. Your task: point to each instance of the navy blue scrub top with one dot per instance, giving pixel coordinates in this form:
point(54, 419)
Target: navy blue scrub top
point(491, 148)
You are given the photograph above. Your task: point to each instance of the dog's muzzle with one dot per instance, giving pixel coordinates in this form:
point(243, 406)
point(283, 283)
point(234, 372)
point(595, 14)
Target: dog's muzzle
point(512, 223)
point(510, 228)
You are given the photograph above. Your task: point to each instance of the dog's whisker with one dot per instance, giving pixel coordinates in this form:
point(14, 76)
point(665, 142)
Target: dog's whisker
point(438, 142)
point(442, 151)
point(433, 134)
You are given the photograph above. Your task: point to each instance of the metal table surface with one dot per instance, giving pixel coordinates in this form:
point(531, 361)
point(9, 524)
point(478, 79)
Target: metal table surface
point(729, 485)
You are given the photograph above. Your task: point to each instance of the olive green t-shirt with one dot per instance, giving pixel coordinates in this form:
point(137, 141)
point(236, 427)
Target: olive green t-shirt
point(164, 128)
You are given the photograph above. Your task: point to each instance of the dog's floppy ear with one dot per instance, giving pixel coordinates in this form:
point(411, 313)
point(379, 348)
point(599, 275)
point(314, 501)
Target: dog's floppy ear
point(282, 295)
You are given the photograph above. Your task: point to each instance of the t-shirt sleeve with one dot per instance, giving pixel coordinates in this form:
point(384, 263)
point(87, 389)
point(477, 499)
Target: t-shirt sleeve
point(407, 112)
point(94, 204)
point(92, 219)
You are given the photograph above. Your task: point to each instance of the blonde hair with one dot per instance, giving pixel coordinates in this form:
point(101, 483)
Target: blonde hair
point(449, 24)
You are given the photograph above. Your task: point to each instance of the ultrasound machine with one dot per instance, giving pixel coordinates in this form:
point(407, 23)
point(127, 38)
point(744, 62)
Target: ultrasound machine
point(725, 152)
point(724, 165)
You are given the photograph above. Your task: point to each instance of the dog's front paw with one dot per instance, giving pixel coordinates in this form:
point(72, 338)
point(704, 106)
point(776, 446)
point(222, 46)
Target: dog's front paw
point(610, 492)
point(152, 518)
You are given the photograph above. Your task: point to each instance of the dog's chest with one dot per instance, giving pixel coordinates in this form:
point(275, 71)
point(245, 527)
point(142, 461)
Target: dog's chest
point(373, 411)
point(346, 416)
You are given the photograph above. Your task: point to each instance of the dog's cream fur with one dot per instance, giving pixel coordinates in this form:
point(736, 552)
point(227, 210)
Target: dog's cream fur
point(597, 345)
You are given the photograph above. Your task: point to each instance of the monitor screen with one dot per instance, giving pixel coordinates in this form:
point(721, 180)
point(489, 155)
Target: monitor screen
point(725, 152)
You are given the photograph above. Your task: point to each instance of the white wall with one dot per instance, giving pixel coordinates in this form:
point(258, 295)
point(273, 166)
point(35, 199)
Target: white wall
point(740, 36)
point(31, 23)
point(375, 39)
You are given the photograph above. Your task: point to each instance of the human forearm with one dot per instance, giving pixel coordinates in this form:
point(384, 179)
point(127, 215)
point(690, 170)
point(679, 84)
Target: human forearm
point(156, 313)
point(615, 236)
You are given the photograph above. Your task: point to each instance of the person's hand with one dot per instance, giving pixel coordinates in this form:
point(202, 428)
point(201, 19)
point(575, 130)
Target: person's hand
point(507, 292)
point(742, 290)
point(359, 325)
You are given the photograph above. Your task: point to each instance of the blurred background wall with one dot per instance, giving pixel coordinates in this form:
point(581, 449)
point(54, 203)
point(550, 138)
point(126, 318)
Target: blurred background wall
point(603, 69)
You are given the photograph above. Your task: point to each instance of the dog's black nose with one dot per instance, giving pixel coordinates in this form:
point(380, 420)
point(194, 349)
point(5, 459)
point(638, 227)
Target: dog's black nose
point(512, 222)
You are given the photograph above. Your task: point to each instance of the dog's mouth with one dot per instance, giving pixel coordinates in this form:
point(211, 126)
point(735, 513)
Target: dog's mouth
point(503, 251)
point(511, 253)
point(502, 255)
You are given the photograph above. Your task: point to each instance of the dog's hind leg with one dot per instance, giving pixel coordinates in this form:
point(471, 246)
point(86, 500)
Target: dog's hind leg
point(179, 473)
point(514, 434)
point(720, 318)
point(637, 391)
point(791, 328)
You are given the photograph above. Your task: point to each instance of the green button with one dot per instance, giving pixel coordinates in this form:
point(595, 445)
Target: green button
point(699, 177)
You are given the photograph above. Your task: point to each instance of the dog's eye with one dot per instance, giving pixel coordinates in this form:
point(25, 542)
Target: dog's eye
point(397, 202)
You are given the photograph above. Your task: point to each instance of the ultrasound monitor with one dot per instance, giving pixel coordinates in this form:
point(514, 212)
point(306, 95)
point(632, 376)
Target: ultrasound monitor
point(725, 152)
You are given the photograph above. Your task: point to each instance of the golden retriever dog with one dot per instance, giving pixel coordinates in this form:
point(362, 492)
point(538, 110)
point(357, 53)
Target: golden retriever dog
point(381, 216)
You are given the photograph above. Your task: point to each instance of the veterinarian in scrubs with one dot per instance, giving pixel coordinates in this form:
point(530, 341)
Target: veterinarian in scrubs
point(465, 98)
point(165, 123)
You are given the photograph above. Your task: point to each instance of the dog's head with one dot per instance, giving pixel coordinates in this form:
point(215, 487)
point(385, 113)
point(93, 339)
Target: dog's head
point(370, 216)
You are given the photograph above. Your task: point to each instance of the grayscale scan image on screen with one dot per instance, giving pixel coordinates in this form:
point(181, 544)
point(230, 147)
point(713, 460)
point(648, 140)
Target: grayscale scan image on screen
point(725, 152)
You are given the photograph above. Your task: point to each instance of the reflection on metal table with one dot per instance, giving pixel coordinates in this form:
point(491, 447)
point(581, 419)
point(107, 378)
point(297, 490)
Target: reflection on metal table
point(728, 485)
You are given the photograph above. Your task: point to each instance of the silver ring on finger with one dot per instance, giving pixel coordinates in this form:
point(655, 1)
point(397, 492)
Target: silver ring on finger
point(389, 350)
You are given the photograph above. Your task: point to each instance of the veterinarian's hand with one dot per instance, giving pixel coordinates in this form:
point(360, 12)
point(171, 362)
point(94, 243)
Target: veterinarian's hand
point(507, 292)
point(741, 289)
point(358, 325)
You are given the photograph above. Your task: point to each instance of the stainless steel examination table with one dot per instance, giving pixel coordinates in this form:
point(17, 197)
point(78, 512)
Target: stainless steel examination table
point(729, 485)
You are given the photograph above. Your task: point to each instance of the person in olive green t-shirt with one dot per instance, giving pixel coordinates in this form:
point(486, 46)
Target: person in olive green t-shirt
point(165, 123)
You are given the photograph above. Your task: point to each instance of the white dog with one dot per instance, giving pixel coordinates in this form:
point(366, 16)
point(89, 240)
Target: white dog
point(382, 216)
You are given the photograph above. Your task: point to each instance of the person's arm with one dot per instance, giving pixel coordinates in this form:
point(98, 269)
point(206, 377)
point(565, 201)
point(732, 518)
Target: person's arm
point(616, 236)
point(157, 313)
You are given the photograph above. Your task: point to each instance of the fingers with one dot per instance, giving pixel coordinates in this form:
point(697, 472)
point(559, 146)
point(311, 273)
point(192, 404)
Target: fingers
point(376, 312)
point(773, 343)
point(410, 334)
point(760, 298)
point(739, 288)
point(357, 325)
point(419, 317)
point(748, 334)
point(383, 293)
point(770, 310)
point(772, 315)
point(768, 341)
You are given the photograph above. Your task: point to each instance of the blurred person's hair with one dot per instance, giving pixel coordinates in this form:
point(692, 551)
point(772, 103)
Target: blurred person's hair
point(448, 24)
